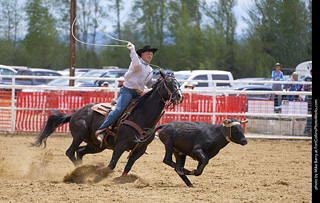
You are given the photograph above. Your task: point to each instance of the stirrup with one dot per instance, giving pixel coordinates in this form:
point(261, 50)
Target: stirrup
point(100, 138)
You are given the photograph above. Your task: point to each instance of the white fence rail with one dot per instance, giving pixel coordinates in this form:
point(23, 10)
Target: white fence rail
point(259, 122)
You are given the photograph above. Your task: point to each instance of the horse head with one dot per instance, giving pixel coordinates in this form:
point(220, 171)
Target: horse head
point(169, 89)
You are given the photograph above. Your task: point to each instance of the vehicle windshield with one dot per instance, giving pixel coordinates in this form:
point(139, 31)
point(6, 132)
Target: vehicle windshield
point(111, 75)
point(181, 76)
point(62, 82)
point(90, 74)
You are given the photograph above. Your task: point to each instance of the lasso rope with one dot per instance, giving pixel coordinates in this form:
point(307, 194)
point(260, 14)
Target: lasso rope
point(104, 45)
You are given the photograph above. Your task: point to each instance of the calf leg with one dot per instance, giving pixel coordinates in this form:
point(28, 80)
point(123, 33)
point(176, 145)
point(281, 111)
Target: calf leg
point(181, 159)
point(168, 157)
point(203, 161)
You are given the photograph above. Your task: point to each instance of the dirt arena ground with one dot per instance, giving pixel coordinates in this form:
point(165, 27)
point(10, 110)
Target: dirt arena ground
point(262, 171)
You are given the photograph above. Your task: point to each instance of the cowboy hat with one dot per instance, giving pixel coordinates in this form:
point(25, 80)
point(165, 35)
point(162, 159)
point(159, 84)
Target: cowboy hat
point(277, 64)
point(146, 48)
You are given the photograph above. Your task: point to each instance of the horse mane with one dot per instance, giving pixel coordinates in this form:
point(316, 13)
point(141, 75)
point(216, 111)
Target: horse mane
point(145, 97)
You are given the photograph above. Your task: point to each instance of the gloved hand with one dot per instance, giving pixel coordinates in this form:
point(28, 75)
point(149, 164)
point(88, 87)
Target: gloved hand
point(130, 46)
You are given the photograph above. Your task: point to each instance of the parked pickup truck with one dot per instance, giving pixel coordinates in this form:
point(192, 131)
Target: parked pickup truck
point(204, 75)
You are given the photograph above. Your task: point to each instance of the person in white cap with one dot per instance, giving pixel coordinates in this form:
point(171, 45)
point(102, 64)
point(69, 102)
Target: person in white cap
point(120, 81)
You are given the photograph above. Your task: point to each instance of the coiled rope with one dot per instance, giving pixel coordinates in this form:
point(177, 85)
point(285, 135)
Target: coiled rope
point(103, 45)
point(100, 27)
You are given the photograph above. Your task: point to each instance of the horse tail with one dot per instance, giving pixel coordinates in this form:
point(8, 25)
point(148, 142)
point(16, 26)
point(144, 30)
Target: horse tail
point(151, 135)
point(54, 121)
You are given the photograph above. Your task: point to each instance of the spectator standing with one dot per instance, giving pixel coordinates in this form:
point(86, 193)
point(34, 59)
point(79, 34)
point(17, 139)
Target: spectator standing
point(277, 75)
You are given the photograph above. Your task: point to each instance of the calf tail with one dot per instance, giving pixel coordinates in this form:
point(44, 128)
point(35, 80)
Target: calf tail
point(54, 121)
point(151, 135)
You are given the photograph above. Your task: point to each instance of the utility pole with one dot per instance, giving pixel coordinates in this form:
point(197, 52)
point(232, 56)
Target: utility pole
point(118, 18)
point(72, 48)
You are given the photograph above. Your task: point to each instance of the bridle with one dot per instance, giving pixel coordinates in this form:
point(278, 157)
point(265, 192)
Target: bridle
point(169, 103)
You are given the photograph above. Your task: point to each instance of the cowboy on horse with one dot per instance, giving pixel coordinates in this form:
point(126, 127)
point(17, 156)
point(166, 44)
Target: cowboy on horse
point(136, 78)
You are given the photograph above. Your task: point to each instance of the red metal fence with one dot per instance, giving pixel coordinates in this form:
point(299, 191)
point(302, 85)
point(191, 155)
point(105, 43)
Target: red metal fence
point(34, 107)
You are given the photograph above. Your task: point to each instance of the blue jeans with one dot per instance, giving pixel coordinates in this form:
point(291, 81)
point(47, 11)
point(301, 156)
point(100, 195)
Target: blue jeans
point(125, 95)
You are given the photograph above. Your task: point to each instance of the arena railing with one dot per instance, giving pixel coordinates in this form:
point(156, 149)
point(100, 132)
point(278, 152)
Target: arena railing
point(200, 105)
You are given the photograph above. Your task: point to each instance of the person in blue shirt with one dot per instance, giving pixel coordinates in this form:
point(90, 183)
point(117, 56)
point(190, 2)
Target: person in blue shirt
point(277, 75)
point(307, 78)
point(295, 87)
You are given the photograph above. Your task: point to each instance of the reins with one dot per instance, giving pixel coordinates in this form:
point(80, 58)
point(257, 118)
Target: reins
point(167, 104)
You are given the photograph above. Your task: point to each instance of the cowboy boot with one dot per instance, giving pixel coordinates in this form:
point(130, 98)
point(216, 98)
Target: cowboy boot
point(100, 134)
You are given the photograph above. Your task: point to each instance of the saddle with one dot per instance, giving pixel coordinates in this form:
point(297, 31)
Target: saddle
point(105, 109)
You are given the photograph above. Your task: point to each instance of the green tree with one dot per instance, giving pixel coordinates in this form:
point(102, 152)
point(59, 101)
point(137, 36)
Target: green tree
point(293, 33)
point(10, 23)
point(187, 50)
point(221, 35)
point(279, 31)
point(42, 43)
point(87, 29)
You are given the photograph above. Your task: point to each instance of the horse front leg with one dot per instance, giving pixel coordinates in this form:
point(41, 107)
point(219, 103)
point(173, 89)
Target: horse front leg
point(83, 150)
point(134, 156)
point(120, 147)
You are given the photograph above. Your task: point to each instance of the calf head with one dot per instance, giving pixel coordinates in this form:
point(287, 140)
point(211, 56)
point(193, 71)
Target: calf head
point(233, 131)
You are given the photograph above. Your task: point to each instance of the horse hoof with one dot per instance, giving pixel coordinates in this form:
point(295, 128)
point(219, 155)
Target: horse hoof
point(124, 174)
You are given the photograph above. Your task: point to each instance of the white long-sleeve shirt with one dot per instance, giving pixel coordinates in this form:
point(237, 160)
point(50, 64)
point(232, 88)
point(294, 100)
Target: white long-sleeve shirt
point(139, 73)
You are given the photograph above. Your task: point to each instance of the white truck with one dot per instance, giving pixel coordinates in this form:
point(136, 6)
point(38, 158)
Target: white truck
point(204, 75)
point(304, 68)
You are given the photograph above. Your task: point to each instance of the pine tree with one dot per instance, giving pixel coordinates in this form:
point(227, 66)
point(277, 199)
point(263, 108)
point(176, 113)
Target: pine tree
point(221, 34)
point(42, 40)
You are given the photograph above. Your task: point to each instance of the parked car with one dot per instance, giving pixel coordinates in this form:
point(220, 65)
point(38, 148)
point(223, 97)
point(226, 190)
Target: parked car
point(66, 72)
point(103, 73)
point(6, 70)
point(255, 96)
point(35, 72)
point(156, 73)
point(250, 81)
point(63, 82)
point(204, 75)
point(256, 88)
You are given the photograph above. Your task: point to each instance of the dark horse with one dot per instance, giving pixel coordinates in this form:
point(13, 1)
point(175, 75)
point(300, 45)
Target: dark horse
point(84, 122)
